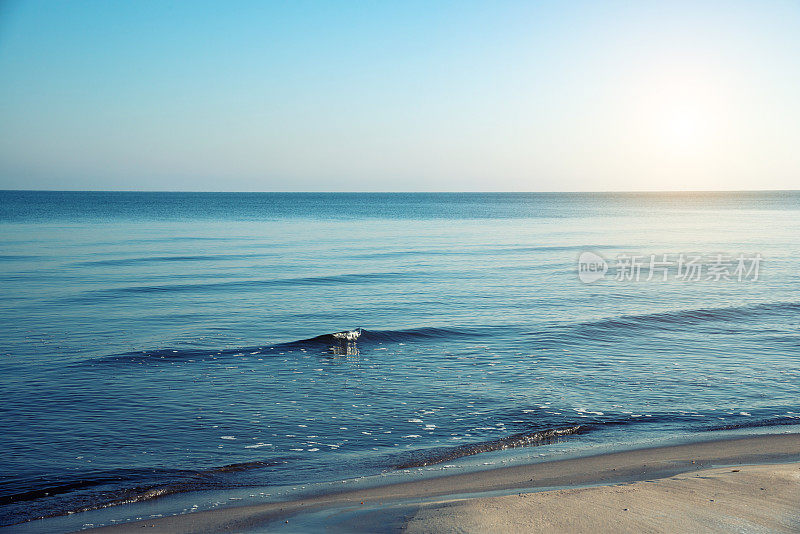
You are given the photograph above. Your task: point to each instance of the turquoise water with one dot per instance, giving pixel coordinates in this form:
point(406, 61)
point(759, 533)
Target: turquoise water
point(161, 343)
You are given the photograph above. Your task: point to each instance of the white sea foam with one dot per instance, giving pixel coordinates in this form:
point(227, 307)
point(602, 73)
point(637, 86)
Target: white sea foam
point(348, 335)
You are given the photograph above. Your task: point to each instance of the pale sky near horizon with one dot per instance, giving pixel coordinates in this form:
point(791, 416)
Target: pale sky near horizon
point(399, 96)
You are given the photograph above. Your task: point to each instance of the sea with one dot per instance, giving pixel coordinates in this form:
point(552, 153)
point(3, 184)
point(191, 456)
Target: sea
point(168, 352)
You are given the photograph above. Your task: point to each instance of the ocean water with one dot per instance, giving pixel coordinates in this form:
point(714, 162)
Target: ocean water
point(163, 343)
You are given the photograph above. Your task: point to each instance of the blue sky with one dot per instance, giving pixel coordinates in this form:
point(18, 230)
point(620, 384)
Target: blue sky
point(394, 96)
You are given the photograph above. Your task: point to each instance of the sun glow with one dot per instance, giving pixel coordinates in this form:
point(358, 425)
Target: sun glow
point(676, 125)
point(682, 115)
point(683, 127)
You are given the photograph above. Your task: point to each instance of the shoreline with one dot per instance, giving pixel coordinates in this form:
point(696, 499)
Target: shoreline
point(390, 507)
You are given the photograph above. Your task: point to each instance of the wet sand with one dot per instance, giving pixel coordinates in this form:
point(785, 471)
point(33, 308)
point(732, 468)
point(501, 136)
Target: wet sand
point(672, 488)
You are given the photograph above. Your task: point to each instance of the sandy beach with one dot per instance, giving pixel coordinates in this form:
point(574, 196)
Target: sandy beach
point(761, 498)
point(748, 484)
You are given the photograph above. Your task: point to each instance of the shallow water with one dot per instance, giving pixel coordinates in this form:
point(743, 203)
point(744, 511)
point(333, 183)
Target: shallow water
point(155, 343)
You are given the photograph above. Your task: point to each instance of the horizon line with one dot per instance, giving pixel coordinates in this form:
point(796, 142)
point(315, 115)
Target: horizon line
point(618, 191)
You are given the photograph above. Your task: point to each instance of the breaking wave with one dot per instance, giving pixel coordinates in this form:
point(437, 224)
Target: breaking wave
point(524, 439)
point(94, 491)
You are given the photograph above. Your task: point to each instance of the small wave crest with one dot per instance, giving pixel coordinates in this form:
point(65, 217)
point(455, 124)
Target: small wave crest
point(382, 336)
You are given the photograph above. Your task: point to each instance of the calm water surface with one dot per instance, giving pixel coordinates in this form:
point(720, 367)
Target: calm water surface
point(157, 343)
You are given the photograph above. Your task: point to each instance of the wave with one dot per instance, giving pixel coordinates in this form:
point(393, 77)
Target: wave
point(602, 330)
point(97, 490)
point(322, 343)
point(369, 337)
point(235, 285)
point(624, 325)
point(119, 262)
point(17, 257)
point(607, 329)
point(426, 457)
point(778, 420)
point(89, 480)
point(477, 251)
point(524, 439)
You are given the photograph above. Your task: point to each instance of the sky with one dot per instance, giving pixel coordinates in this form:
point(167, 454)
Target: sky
point(399, 96)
